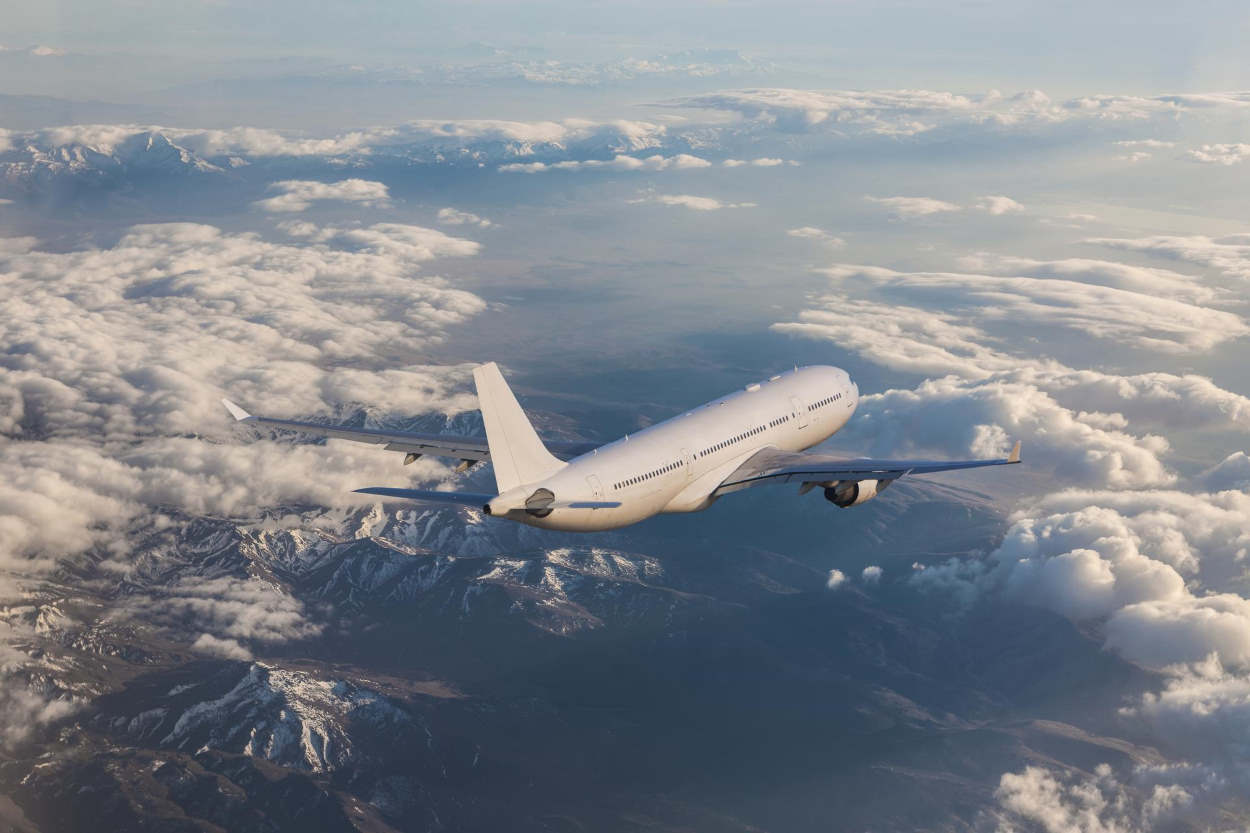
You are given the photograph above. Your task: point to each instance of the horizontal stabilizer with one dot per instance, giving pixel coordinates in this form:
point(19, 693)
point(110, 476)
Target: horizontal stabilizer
point(430, 496)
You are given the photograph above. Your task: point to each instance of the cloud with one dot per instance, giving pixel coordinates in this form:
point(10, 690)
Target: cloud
point(1097, 803)
point(1154, 144)
point(1137, 560)
point(1233, 472)
point(300, 194)
point(1106, 312)
point(761, 162)
point(694, 203)
point(1227, 154)
point(145, 334)
point(871, 574)
point(907, 207)
point(819, 235)
point(1076, 420)
point(1229, 254)
point(24, 711)
point(909, 113)
point(836, 579)
point(1203, 712)
point(1140, 561)
point(113, 360)
point(453, 217)
point(224, 648)
point(224, 611)
point(680, 162)
point(27, 704)
point(1149, 280)
point(998, 205)
point(1168, 632)
point(981, 418)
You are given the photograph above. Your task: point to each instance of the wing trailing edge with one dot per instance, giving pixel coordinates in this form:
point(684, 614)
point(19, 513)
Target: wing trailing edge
point(473, 499)
point(772, 465)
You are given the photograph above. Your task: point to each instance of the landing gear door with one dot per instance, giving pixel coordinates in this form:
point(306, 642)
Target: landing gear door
point(799, 410)
point(596, 488)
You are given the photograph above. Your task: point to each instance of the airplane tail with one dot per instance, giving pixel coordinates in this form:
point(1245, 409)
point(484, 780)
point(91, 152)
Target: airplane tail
point(518, 455)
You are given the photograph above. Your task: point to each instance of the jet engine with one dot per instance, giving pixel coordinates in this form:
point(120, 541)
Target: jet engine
point(846, 493)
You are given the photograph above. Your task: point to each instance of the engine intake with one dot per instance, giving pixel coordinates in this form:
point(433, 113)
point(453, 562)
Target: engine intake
point(846, 493)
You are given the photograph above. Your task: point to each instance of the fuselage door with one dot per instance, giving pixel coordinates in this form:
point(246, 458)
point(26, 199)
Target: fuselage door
point(596, 488)
point(799, 409)
point(687, 462)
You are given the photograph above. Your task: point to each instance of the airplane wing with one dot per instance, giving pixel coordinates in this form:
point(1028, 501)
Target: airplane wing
point(772, 465)
point(468, 449)
point(477, 501)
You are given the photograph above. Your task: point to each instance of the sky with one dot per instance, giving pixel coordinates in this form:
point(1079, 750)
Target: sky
point(1006, 220)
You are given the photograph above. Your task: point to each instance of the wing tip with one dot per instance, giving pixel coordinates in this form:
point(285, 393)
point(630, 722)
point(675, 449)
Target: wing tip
point(1014, 456)
point(235, 411)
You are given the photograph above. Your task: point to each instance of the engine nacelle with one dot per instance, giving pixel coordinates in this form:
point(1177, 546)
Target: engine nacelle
point(846, 493)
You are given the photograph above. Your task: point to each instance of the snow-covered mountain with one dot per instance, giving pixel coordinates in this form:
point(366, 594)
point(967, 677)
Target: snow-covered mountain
point(37, 161)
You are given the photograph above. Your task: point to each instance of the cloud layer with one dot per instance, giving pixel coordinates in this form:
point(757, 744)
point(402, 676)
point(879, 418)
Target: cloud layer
point(114, 359)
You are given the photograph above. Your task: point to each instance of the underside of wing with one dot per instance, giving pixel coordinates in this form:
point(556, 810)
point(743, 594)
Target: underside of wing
point(775, 466)
point(430, 496)
point(414, 444)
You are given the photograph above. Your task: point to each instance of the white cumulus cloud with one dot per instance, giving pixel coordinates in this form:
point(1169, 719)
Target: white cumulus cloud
point(300, 194)
point(998, 205)
point(817, 234)
point(1225, 154)
point(694, 203)
point(908, 207)
point(454, 217)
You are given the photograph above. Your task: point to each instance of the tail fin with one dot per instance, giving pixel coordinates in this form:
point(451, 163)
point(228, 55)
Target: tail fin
point(516, 452)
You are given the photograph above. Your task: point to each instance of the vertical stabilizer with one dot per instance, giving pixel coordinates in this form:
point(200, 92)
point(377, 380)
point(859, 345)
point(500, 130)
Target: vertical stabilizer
point(517, 454)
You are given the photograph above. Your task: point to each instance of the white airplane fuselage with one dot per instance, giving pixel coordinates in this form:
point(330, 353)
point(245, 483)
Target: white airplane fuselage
point(676, 465)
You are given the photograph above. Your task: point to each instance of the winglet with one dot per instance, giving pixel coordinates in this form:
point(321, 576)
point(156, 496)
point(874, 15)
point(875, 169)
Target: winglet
point(1014, 456)
point(235, 411)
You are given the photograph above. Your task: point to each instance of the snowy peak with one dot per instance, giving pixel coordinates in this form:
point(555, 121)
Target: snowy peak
point(43, 161)
point(153, 151)
point(290, 718)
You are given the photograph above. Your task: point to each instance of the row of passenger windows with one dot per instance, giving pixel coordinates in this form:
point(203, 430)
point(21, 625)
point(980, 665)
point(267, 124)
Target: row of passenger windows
point(712, 449)
point(632, 481)
point(828, 400)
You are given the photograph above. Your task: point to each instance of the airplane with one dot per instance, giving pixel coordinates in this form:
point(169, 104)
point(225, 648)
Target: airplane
point(750, 437)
